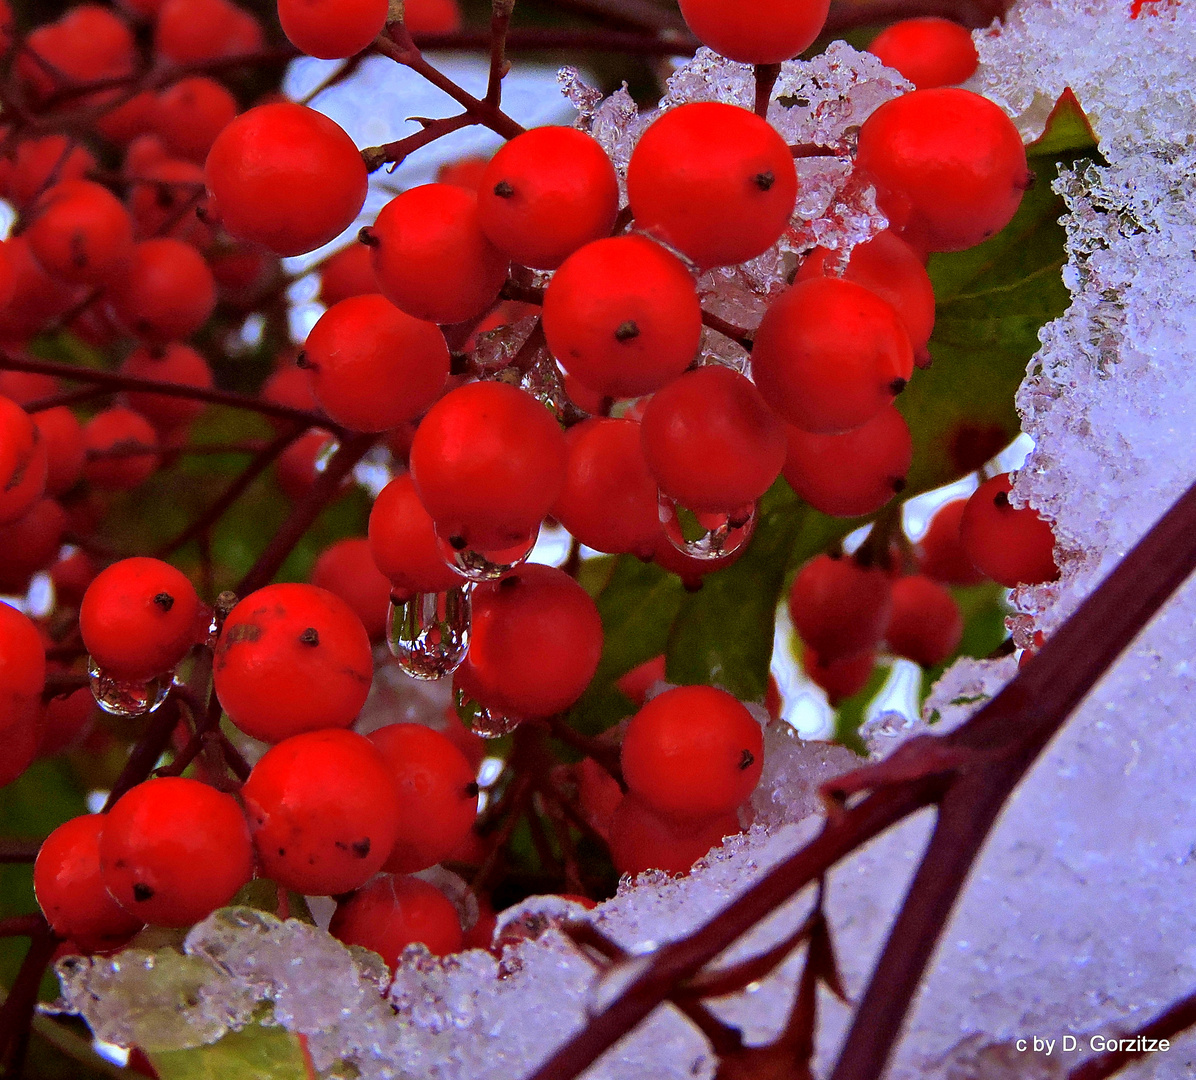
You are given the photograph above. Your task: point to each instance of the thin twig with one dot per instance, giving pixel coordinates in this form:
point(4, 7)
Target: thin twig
point(1179, 1017)
point(14, 850)
point(16, 1014)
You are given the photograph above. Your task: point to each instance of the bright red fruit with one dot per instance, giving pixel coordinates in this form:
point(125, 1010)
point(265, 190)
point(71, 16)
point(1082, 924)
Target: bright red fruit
point(546, 193)
point(166, 292)
point(714, 181)
point(941, 556)
point(86, 44)
point(854, 473)
point(291, 659)
point(23, 463)
point(80, 231)
point(191, 113)
point(297, 463)
point(639, 680)
point(929, 52)
point(286, 177)
point(70, 892)
point(63, 437)
point(130, 433)
point(926, 625)
point(830, 355)
point(66, 721)
point(192, 31)
point(432, 16)
point(22, 669)
point(609, 500)
point(30, 544)
point(164, 198)
point(765, 32)
point(437, 790)
point(488, 462)
point(373, 366)
point(641, 839)
point(1011, 546)
point(393, 912)
point(350, 272)
point(431, 257)
point(37, 297)
point(711, 441)
point(332, 29)
point(841, 678)
point(535, 643)
point(622, 315)
point(173, 850)
point(693, 752)
point(949, 167)
point(174, 364)
point(840, 608)
point(347, 569)
point(36, 163)
point(323, 811)
point(689, 569)
point(404, 545)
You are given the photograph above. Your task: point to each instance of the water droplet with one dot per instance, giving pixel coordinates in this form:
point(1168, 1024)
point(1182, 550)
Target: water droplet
point(127, 697)
point(705, 535)
point(429, 633)
point(326, 454)
point(482, 720)
point(486, 565)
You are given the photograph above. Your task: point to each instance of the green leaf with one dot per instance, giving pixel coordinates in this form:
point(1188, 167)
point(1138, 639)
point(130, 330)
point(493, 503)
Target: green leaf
point(256, 1053)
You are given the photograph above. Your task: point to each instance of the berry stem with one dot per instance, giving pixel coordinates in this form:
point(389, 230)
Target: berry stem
point(18, 851)
point(766, 80)
point(16, 1014)
point(500, 24)
point(397, 152)
point(68, 397)
point(1179, 1017)
point(602, 752)
point(736, 333)
point(21, 926)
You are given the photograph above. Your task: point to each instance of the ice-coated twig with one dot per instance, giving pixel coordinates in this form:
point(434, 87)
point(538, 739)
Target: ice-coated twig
point(1178, 1018)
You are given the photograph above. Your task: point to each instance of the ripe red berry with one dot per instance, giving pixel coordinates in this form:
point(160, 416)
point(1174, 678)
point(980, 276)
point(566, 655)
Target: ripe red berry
point(715, 181)
point(36, 163)
point(641, 839)
point(323, 810)
point(949, 167)
point(332, 29)
point(839, 607)
point(350, 272)
point(138, 618)
point(130, 433)
point(290, 386)
point(192, 31)
point(37, 297)
point(546, 193)
point(609, 498)
point(693, 752)
point(841, 678)
point(830, 355)
point(437, 790)
point(373, 366)
point(23, 463)
point(431, 257)
point(346, 568)
point(639, 680)
point(854, 473)
point(432, 16)
point(1011, 546)
point(166, 293)
point(290, 659)
point(173, 363)
point(70, 891)
point(62, 435)
point(164, 198)
point(127, 121)
point(941, 556)
point(173, 850)
point(297, 463)
point(488, 462)
point(86, 44)
point(393, 912)
point(66, 721)
point(535, 643)
point(622, 315)
point(404, 545)
point(30, 544)
point(926, 625)
point(711, 442)
point(929, 52)
point(766, 32)
point(80, 231)
point(22, 669)
point(190, 114)
point(286, 177)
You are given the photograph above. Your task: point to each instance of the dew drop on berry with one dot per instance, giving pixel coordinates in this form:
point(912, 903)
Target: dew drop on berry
point(326, 454)
point(480, 566)
point(705, 536)
point(127, 697)
point(485, 722)
point(429, 633)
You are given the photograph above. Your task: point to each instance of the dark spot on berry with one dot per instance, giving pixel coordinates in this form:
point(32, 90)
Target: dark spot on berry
point(310, 636)
point(157, 352)
point(764, 181)
point(164, 198)
point(246, 631)
point(1029, 180)
point(627, 331)
point(302, 361)
point(509, 582)
point(897, 385)
point(142, 892)
point(457, 543)
point(504, 190)
point(366, 236)
point(282, 852)
point(164, 600)
point(362, 848)
point(898, 484)
point(1001, 500)
point(472, 790)
point(311, 860)
point(747, 761)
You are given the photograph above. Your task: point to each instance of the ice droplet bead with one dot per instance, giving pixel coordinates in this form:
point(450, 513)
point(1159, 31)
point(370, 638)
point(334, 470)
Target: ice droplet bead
point(429, 633)
point(127, 697)
point(705, 535)
point(484, 722)
point(486, 565)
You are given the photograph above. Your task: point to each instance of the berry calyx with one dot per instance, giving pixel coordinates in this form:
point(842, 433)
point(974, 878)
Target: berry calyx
point(757, 33)
point(840, 608)
point(1012, 545)
point(393, 912)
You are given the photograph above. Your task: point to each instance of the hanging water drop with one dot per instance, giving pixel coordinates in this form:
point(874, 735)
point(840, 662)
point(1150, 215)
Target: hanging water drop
point(480, 566)
point(429, 633)
point(706, 535)
point(483, 721)
point(127, 697)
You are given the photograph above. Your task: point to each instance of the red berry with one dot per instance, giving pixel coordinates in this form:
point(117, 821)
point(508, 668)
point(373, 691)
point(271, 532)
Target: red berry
point(23, 462)
point(1011, 546)
point(431, 257)
point(941, 556)
point(350, 272)
point(30, 544)
point(21, 742)
point(62, 435)
point(546, 193)
point(535, 643)
point(70, 892)
point(138, 618)
point(26, 386)
point(689, 569)
point(488, 462)
point(711, 442)
point(839, 607)
point(373, 366)
point(693, 752)
point(926, 625)
point(297, 463)
point(192, 31)
point(39, 162)
point(855, 473)
point(164, 198)
point(80, 231)
point(714, 181)
point(292, 658)
point(764, 32)
point(622, 315)
point(949, 167)
point(347, 569)
point(393, 912)
point(127, 121)
point(286, 177)
point(830, 355)
point(437, 790)
point(432, 16)
point(120, 429)
point(172, 851)
point(323, 810)
point(174, 364)
point(290, 386)
point(37, 297)
point(86, 44)
point(404, 545)
point(841, 678)
point(22, 670)
point(332, 29)
point(190, 114)
point(641, 839)
point(639, 680)
point(66, 720)
point(929, 52)
point(609, 498)
point(166, 293)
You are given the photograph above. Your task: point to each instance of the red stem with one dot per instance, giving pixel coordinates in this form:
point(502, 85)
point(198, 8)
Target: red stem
point(1179, 1017)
